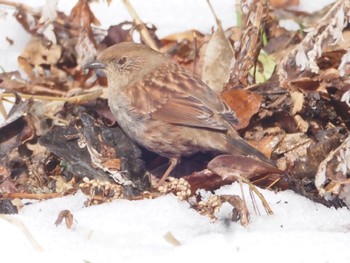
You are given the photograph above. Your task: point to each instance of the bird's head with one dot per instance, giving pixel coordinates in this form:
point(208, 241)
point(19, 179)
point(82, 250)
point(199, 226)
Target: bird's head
point(125, 63)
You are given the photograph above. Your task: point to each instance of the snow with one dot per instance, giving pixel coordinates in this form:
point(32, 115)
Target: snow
point(133, 231)
point(127, 231)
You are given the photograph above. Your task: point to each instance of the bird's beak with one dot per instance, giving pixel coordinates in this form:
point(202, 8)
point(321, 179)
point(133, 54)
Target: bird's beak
point(94, 65)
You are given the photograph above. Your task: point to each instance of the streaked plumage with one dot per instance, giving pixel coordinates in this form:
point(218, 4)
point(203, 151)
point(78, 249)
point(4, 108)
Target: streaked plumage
point(165, 108)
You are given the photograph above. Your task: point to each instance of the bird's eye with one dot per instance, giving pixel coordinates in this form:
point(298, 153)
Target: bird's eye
point(121, 61)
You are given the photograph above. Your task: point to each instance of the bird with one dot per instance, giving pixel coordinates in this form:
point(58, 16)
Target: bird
point(165, 108)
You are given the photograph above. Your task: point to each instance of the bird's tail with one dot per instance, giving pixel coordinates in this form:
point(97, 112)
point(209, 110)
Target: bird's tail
point(239, 146)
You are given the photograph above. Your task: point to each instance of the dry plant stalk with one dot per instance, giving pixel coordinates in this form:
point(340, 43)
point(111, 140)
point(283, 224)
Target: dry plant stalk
point(305, 54)
point(251, 43)
point(78, 99)
point(255, 190)
point(2, 109)
point(27, 8)
point(31, 196)
point(143, 30)
point(240, 205)
point(17, 222)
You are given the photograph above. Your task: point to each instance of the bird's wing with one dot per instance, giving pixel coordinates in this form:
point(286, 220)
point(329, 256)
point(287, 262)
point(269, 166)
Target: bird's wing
point(188, 111)
point(180, 98)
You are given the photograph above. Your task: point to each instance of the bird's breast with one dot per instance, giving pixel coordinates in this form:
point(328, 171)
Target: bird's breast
point(127, 117)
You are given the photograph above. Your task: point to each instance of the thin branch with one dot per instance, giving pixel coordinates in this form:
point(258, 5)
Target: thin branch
point(144, 32)
point(75, 99)
point(17, 222)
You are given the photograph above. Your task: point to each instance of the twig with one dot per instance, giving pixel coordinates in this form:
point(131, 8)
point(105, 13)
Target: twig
point(144, 32)
point(195, 52)
point(255, 206)
point(31, 196)
point(55, 118)
point(27, 8)
point(213, 12)
point(254, 189)
point(273, 183)
point(17, 222)
point(250, 45)
point(2, 109)
point(75, 99)
point(218, 23)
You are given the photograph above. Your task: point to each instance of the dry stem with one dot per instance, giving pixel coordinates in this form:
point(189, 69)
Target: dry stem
point(17, 222)
point(144, 32)
point(75, 99)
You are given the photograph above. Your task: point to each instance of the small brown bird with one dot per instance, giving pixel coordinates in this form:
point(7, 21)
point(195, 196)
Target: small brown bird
point(165, 108)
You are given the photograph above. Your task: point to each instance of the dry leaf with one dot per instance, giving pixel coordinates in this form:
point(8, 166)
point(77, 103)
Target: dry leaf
point(332, 176)
point(217, 60)
point(244, 103)
point(36, 55)
point(294, 146)
point(85, 48)
point(82, 17)
point(298, 101)
point(267, 144)
point(302, 125)
point(284, 3)
point(67, 216)
point(169, 237)
point(244, 166)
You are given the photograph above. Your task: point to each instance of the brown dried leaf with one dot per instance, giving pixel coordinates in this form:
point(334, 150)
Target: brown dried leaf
point(242, 165)
point(267, 144)
point(82, 17)
point(284, 3)
point(85, 48)
point(67, 216)
point(296, 144)
point(36, 55)
point(207, 180)
point(332, 176)
point(244, 103)
point(118, 33)
point(330, 59)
